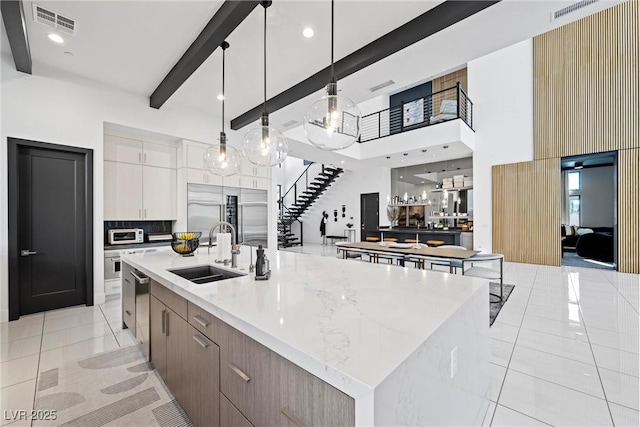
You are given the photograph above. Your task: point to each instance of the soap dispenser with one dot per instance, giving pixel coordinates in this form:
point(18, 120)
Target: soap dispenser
point(262, 265)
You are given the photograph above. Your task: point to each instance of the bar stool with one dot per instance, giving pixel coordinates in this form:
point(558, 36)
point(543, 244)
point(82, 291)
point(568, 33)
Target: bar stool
point(435, 243)
point(390, 239)
point(411, 241)
point(372, 239)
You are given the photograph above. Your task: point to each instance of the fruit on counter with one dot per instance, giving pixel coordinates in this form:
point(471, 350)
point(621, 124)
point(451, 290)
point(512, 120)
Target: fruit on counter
point(182, 247)
point(186, 236)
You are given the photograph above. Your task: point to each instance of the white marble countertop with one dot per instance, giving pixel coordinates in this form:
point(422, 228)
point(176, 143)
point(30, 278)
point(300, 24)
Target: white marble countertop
point(350, 323)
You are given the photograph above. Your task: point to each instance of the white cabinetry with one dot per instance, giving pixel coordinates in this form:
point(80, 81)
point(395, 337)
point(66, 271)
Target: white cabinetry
point(139, 180)
point(249, 169)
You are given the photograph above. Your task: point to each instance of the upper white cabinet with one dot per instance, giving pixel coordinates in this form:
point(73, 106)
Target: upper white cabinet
point(158, 193)
point(122, 191)
point(249, 169)
point(160, 155)
point(124, 150)
point(195, 156)
point(139, 180)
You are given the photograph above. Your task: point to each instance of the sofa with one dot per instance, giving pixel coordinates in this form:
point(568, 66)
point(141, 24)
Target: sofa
point(588, 242)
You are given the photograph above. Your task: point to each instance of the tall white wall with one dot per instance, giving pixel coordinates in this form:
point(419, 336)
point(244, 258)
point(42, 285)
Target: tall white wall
point(346, 191)
point(63, 109)
point(501, 88)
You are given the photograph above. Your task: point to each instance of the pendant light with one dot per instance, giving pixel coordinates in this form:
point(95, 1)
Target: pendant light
point(265, 145)
point(221, 159)
point(333, 122)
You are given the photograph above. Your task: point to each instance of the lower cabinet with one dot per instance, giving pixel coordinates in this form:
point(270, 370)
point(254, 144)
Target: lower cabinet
point(186, 360)
point(221, 377)
point(230, 416)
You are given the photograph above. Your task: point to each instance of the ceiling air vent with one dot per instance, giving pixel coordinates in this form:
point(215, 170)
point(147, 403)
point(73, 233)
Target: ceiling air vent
point(289, 123)
point(381, 85)
point(54, 20)
point(570, 9)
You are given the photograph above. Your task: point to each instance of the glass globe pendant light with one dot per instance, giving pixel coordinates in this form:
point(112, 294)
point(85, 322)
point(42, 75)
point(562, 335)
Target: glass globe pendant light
point(333, 122)
point(221, 159)
point(265, 145)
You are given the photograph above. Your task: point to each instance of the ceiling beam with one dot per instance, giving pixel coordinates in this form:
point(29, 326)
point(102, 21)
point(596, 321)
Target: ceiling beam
point(225, 20)
point(425, 25)
point(16, 26)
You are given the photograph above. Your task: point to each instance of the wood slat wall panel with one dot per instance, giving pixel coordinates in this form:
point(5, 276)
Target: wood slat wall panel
point(526, 211)
point(586, 84)
point(450, 80)
point(629, 211)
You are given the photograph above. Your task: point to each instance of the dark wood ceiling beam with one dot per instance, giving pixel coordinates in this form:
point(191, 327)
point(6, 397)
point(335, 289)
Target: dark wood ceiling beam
point(440, 17)
point(16, 26)
point(225, 20)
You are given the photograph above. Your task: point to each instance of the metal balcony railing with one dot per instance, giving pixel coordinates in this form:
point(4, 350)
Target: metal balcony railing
point(448, 104)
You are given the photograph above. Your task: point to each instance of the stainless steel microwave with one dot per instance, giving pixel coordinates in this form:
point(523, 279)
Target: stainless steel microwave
point(123, 236)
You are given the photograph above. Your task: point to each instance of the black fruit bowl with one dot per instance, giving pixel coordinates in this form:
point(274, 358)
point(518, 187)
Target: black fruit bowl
point(185, 243)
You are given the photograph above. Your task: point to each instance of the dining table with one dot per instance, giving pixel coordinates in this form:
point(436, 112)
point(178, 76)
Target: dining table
point(404, 251)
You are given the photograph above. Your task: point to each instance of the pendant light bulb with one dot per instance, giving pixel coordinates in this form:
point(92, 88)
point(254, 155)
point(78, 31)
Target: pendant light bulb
point(265, 145)
point(333, 122)
point(221, 159)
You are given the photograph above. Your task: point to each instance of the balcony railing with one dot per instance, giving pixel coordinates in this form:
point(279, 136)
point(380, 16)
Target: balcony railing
point(448, 104)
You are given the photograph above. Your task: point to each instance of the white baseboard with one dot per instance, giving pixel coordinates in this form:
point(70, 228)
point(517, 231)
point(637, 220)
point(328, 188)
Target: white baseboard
point(99, 298)
point(4, 315)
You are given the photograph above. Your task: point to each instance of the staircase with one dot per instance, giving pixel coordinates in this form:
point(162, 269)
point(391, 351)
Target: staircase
point(299, 198)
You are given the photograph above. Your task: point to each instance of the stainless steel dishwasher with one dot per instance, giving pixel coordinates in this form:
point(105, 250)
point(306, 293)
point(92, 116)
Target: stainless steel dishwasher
point(136, 307)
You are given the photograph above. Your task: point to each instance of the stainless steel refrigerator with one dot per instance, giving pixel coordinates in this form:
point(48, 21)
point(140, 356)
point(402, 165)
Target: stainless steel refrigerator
point(246, 209)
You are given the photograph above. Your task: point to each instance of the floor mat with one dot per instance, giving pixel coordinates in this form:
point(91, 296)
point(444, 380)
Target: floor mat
point(118, 388)
point(571, 259)
point(495, 307)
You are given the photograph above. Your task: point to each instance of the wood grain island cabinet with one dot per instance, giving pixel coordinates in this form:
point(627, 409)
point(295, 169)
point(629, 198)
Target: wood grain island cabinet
point(222, 377)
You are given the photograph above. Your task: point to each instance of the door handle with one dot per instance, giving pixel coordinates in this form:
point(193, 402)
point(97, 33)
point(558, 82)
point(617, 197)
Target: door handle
point(128, 312)
point(295, 420)
point(27, 252)
point(241, 374)
point(164, 328)
point(201, 320)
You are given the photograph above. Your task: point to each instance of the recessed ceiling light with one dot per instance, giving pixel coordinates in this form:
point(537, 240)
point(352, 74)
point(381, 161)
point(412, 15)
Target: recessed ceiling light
point(220, 97)
point(55, 38)
point(422, 182)
point(342, 161)
point(401, 176)
point(308, 32)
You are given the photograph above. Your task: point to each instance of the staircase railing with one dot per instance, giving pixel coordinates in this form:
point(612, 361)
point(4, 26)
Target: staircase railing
point(299, 185)
point(448, 104)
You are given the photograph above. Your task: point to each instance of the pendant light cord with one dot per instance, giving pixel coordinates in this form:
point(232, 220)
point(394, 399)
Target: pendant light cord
point(223, 67)
point(265, 60)
point(333, 75)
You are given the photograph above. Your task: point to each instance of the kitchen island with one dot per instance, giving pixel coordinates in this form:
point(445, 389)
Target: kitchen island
point(406, 346)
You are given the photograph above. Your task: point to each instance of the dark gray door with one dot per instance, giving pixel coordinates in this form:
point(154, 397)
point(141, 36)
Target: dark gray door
point(51, 229)
point(369, 206)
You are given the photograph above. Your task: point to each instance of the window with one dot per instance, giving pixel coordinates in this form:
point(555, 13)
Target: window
point(574, 209)
point(574, 180)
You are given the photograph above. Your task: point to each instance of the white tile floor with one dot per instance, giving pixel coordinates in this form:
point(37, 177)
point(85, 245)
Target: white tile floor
point(39, 342)
point(564, 349)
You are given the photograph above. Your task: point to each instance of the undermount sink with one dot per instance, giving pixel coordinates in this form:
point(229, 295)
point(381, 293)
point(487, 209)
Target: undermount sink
point(204, 274)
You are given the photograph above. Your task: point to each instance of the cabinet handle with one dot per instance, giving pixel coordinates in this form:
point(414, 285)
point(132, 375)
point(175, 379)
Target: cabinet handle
point(241, 374)
point(139, 157)
point(128, 312)
point(201, 320)
point(139, 213)
point(127, 280)
point(145, 212)
point(164, 328)
point(166, 323)
point(145, 157)
point(297, 421)
point(200, 341)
